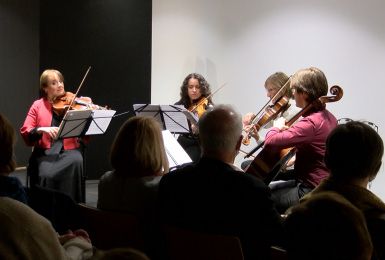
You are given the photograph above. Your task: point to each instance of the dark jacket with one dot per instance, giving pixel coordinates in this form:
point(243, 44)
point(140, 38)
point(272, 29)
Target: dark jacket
point(214, 197)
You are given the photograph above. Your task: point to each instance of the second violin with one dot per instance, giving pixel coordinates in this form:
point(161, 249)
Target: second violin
point(278, 91)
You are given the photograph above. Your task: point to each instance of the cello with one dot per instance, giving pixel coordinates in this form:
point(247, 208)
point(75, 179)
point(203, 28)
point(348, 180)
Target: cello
point(267, 163)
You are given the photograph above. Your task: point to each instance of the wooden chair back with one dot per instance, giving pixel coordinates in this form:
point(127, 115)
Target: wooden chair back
point(191, 245)
point(109, 229)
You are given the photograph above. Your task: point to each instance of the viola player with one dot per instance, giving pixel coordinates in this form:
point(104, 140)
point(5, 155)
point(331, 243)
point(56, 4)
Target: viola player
point(272, 85)
point(195, 96)
point(55, 164)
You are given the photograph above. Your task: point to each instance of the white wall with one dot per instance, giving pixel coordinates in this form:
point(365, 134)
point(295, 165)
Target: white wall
point(242, 42)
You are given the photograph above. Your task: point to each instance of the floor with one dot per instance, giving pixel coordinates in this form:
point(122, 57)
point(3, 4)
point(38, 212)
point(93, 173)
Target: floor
point(91, 186)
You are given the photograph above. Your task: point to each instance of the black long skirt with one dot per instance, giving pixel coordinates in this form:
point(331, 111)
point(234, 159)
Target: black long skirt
point(62, 171)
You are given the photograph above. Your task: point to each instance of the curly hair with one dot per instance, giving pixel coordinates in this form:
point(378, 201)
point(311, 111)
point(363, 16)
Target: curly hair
point(204, 88)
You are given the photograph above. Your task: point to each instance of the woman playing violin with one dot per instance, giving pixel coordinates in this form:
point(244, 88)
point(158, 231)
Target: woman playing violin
point(195, 96)
point(55, 164)
point(272, 85)
point(308, 135)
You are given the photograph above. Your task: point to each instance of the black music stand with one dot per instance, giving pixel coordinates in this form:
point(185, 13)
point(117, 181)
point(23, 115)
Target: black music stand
point(170, 117)
point(80, 123)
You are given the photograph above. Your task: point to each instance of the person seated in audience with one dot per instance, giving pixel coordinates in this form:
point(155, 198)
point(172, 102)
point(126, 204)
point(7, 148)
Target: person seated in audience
point(327, 226)
point(27, 235)
point(139, 160)
point(214, 196)
point(354, 154)
point(10, 186)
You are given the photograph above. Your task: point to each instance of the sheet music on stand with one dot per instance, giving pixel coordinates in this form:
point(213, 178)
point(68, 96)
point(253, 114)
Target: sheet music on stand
point(170, 117)
point(84, 122)
point(74, 123)
point(176, 155)
point(100, 121)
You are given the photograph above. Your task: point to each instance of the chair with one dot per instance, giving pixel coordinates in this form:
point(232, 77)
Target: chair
point(110, 229)
point(191, 245)
point(56, 206)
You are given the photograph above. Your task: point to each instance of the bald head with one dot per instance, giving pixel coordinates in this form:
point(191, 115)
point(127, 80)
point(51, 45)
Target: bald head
point(220, 130)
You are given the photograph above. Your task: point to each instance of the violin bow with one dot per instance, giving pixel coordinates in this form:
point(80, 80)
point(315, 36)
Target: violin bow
point(271, 99)
point(81, 84)
point(77, 91)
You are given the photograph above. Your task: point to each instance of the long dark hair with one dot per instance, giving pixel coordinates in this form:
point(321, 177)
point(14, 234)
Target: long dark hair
point(204, 88)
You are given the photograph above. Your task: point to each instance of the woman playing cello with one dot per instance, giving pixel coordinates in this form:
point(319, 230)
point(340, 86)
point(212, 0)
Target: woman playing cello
point(195, 95)
point(308, 136)
point(55, 164)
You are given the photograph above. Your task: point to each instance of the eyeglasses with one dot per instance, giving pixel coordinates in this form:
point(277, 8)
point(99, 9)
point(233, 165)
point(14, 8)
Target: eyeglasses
point(346, 120)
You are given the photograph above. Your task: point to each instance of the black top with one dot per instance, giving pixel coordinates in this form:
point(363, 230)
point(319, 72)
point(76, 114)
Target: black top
point(212, 196)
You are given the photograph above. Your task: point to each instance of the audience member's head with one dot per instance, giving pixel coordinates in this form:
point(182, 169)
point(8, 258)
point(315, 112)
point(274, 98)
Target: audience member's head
point(138, 148)
point(354, 151)
point(220, 131)
point(7, 140)
point(327, 226)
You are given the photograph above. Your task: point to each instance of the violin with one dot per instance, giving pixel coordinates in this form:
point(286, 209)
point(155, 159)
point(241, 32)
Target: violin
point(267, 164)
point(270, 112)
point(200, 106)
point(69, 101)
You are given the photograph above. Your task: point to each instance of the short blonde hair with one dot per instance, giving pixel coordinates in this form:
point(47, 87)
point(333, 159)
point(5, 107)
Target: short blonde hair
point(278, 80)
point(311, 81)
point(44, 79)
point(7, 140)
point(138, 148)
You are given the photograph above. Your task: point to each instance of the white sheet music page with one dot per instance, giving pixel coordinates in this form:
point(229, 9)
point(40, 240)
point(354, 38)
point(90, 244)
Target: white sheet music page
point(100, 121)
point(176, 155)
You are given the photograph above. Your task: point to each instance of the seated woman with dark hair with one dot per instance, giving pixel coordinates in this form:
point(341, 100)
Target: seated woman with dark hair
point(139, 161)
point(9, 186)
point(338, 230)
point(354, 154)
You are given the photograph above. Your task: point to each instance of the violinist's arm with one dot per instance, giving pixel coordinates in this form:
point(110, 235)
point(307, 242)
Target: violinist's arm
point(252, 131)
point(50, 130)
point(246, 120)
